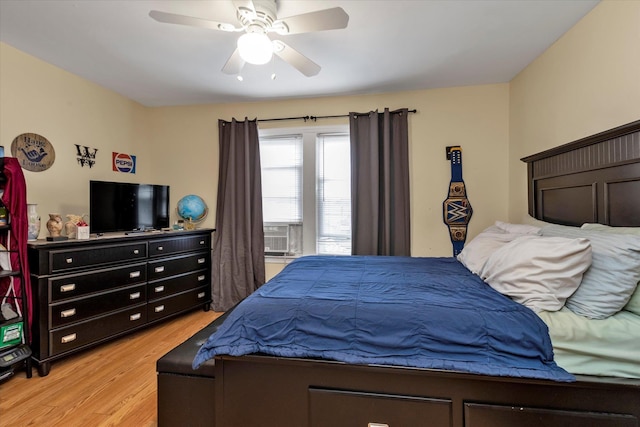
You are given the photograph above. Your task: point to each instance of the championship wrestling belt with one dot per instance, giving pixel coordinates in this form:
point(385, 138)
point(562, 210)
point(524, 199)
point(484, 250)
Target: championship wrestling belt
point(457, 209)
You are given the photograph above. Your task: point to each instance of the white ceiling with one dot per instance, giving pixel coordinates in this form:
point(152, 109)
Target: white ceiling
point(393, 45)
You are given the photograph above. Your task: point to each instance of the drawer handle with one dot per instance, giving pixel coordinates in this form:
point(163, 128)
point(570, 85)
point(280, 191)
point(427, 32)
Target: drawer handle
point(159, 289)
point(377, 425)
point(136, 316)
point(159, 308)
point(202, 242)
point(134, 295)
point(68, 313)
point(68, 338)
point(200, 260)
point(69, 260)
point(160, 248)
point(134, 274)
point(136, 251)
point(159, 269)
point(201, 295)
point(201, 278)
point(68, 288)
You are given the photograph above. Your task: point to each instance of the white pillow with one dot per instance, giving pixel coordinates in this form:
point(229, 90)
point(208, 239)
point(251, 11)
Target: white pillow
point(475, 253)
point(538, 272)
point(634, 302)
point(610, 229)
point(518, 228)
point(614, 274)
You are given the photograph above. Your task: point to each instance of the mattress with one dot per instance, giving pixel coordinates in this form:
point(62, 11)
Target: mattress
point(601, 347)
point(402, 311)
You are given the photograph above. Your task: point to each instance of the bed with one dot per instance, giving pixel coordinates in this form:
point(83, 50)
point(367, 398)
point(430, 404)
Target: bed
point(485, 380)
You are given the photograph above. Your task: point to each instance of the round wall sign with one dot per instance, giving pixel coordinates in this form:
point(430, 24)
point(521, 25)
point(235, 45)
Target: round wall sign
point(34, 152)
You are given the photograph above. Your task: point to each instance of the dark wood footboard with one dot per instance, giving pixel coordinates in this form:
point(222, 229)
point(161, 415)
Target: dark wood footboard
point(270, 391)
point(266, 391)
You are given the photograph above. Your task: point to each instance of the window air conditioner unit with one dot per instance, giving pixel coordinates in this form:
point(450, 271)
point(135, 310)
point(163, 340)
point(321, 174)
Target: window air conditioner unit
point(276, 239)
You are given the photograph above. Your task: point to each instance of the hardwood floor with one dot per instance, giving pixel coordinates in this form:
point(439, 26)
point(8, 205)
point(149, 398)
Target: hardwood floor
point(110, 385)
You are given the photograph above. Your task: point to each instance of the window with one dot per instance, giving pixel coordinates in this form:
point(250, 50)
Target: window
point(306, 190)
point(281, 162)
point(333, 194)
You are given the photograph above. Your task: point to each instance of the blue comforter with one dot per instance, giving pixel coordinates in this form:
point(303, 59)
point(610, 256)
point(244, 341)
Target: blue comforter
point(402, 311)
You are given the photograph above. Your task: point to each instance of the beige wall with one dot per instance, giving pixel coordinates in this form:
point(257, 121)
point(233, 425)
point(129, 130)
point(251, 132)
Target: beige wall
point(476, 117)
point(36, 97)
point(587, 82)
point(178, 146)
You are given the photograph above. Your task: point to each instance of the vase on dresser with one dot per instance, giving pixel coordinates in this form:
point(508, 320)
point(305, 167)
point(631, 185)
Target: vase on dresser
point(33, 220)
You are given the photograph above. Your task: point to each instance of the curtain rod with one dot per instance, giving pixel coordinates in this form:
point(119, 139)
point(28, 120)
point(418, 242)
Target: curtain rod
point(315, 118)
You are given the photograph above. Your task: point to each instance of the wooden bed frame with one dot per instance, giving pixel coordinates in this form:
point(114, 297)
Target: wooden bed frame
point(599, 175)
point(594, 179)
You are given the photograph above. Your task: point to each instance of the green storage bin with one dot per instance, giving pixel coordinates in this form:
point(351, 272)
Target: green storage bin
point(11, 333)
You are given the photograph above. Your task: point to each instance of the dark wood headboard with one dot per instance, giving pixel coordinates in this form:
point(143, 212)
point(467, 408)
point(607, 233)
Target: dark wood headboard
point(594, 179)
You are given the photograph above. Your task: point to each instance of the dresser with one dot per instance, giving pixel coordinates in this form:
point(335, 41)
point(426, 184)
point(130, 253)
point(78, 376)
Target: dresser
point(87, 292)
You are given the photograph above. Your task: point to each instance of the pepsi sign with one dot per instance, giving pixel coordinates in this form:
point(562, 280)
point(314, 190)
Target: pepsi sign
point(125, 163)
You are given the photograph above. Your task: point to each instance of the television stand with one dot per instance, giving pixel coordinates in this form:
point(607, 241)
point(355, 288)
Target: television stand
point(86, 292)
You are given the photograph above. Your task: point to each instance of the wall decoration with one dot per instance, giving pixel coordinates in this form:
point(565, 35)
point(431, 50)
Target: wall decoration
point(122, 162)
point(457, 210)
point(34, 152)
point(86, 156)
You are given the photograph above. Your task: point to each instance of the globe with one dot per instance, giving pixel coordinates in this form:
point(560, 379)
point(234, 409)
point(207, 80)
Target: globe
point(192, 208)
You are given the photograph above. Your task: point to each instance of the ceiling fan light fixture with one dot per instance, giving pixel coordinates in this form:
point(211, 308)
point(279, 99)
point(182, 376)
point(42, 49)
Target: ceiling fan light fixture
point(255, 48)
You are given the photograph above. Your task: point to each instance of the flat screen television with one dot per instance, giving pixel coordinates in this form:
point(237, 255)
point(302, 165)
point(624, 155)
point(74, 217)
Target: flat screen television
point(120, 206)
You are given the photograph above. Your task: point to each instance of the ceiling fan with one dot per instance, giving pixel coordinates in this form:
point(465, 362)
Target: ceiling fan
point(257, 19)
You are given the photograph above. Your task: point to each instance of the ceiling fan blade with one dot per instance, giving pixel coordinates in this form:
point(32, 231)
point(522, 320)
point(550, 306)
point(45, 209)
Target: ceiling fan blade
point(296, 59)
point(327, 19)
point(172, 18)
point(234, 63)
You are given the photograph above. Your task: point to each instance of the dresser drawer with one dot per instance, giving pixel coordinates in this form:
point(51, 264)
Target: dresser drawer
point(176, 284)
point(178, 244)
point(337, 408)
point(80, 284)
point(167, 267)
point(72, 311)
point(79, 334)
point(70, 259)
point(164, 307)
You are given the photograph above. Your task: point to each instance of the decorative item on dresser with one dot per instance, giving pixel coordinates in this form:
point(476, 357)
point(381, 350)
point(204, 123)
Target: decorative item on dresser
point(90, 291)
point(33, 219)
point(54, 225)
point(192, 209)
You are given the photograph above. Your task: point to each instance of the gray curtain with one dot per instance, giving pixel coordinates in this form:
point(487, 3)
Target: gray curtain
point(238, 246)
point(380, 216)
